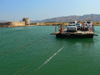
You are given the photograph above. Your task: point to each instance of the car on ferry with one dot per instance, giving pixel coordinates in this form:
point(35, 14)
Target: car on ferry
point(87, 24)
point(72, 22)
point(78, 26)
point(71, 28)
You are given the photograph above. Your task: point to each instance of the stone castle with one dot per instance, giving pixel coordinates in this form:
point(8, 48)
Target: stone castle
point(24, 22)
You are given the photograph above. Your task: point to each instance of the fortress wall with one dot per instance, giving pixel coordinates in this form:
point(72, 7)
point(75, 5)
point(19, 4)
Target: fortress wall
point(15, 24)
point(22, 23)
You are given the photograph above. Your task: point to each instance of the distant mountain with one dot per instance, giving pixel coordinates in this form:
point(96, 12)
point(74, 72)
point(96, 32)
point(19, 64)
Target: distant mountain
point(2, 21)
point(96, 18)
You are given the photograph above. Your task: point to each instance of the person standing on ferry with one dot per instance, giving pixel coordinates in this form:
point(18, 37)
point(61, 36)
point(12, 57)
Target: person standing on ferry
point(90, 27)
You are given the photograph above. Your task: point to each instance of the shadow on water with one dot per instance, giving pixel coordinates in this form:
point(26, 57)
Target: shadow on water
point(78, 46)
point(84, 42)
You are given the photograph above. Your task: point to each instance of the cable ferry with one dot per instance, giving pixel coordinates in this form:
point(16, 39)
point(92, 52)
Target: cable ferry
point(85, 30)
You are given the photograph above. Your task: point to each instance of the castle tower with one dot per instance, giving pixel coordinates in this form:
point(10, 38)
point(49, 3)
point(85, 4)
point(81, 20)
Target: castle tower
point(27, 22)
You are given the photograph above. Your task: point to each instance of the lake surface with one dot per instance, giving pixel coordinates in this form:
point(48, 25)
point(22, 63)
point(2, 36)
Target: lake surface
point(32, 50)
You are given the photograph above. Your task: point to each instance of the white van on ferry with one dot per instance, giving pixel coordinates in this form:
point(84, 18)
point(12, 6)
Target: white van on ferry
point(72, 26)
point(86, 24)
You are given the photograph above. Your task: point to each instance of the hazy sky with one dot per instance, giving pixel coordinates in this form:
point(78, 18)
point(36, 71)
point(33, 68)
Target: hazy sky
point(44, 9)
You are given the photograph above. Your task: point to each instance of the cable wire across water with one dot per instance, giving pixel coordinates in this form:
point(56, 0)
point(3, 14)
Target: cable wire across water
point(25, 46)
point(41, 56)
point(50, 58)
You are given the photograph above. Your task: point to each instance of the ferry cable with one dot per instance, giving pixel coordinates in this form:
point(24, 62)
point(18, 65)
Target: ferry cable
point(41, 56)
point(25, 45)
point(50, 57)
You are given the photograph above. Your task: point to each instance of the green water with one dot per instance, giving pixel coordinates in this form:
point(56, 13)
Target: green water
point(76, 57)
